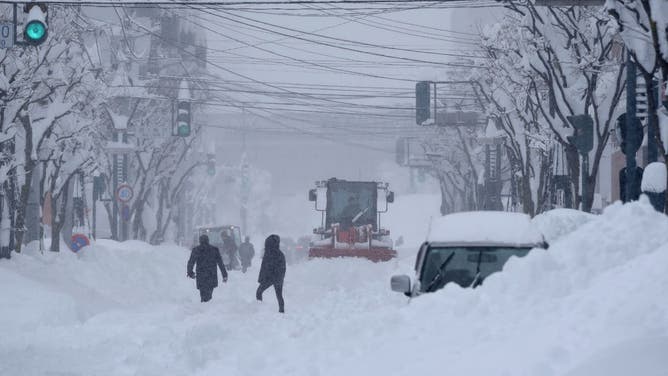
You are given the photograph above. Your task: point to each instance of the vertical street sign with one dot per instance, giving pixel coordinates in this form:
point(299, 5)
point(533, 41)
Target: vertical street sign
point(6, 35)
point(631, 133)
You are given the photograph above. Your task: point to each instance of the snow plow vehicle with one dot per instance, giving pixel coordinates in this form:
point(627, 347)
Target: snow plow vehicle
point(218, 237)
point(350, 224)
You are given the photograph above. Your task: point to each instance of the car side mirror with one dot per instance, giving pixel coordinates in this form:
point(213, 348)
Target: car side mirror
point(312, 195)
point(401, 283)
point(390, 197)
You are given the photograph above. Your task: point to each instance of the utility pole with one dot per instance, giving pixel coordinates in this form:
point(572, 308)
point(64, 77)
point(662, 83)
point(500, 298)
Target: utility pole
point(653, 104)
point(119, 177)
point(245, 184)
point(631, 133)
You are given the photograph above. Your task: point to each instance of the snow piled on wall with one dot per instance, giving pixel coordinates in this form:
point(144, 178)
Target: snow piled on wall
point(593, 304)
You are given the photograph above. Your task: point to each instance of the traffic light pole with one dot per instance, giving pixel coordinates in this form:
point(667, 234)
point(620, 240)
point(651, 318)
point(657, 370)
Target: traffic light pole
point(630, 131)
point(585, 183)
point(653, 102)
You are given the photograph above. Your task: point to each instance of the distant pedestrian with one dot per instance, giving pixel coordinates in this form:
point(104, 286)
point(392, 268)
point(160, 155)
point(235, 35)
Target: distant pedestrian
point(207, 258)
point(230, 248)
point(246, 253)
point(272, 271)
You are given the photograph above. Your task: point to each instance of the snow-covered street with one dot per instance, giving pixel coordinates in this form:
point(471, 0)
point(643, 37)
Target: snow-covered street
point(424, 187)
point(593, 304)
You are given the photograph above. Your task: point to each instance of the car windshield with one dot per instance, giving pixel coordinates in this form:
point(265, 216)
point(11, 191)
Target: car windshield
point(468, 266)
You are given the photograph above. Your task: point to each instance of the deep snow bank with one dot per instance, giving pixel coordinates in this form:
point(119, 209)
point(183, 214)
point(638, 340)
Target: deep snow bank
point(598, 287)
point(596, 296)
point(556, 223)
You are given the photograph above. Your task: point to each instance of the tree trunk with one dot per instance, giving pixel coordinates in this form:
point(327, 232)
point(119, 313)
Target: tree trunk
point(24, 194)
point(110, 217)
point(162, 198)
point(573, 160)
point(55, 236)
point(545, 181)
point(58, 212)
point(528, 206)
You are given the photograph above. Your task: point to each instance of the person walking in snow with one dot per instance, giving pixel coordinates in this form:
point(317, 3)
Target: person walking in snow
point(246, 253)
point(272, 270)
point(207, 258)
point(230, 248)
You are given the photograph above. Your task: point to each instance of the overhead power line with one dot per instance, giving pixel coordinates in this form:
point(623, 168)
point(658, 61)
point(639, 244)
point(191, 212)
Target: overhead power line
point(146, 3)
point(338, 40)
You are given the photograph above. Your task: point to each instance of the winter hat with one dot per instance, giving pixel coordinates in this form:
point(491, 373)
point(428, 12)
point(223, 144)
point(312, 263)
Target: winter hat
point(272, 242)
point(203, 239)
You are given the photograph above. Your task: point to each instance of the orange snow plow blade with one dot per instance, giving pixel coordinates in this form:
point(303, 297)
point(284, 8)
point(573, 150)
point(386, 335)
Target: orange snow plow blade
point(372, 254)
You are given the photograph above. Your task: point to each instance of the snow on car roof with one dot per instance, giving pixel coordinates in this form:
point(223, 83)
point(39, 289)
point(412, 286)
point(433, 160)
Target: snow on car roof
point(485, 227)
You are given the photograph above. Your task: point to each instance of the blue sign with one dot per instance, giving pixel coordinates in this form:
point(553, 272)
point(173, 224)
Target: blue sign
point(125, 213)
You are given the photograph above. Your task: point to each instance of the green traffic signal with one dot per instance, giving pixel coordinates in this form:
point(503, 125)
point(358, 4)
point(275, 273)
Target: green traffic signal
point(183, 119)
point(36, 23)
point(183, 130)
point(35, 32)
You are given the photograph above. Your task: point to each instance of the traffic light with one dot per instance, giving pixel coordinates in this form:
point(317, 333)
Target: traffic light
point(211, 165)
point(422, 101)
point(632, 143)
point(583, 135)
point(98, 187)
point(183, 119)
point(36, 27)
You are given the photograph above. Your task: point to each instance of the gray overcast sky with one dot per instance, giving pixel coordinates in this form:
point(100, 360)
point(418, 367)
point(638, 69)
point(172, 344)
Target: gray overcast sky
point(263, 48)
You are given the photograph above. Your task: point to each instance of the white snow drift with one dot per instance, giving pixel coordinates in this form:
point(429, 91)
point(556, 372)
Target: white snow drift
point(593, 304)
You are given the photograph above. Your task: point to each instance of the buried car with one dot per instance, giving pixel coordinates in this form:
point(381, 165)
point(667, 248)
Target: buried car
point(465, 248)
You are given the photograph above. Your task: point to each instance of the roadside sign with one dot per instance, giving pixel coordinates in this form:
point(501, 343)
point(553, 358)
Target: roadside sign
point(125, 213)
point(124, 193)
point(6, 35)
point(79, 241)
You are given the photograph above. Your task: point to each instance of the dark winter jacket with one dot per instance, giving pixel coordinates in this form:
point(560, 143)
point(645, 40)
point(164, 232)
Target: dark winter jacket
point(246, 253)
point(207, 258)
point(273, 263)
point(229, 245)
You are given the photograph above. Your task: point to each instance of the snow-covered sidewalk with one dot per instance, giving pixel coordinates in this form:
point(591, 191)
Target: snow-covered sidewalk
point(592, 304)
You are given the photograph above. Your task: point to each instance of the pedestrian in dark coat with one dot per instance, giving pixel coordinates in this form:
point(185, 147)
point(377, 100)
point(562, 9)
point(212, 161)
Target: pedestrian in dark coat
point(207, 258)
point(246, 253)
point(230, 248)
point(272, 271)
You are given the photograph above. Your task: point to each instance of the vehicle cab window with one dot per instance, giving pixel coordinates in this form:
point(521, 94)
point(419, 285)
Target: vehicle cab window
point(465, 266)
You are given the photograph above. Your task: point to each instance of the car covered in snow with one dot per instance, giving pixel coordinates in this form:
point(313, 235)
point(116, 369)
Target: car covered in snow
point(465, 248)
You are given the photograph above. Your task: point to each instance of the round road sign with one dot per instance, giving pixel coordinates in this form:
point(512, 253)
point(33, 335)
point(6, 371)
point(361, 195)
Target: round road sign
point(124, 193)
point(79, 241)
